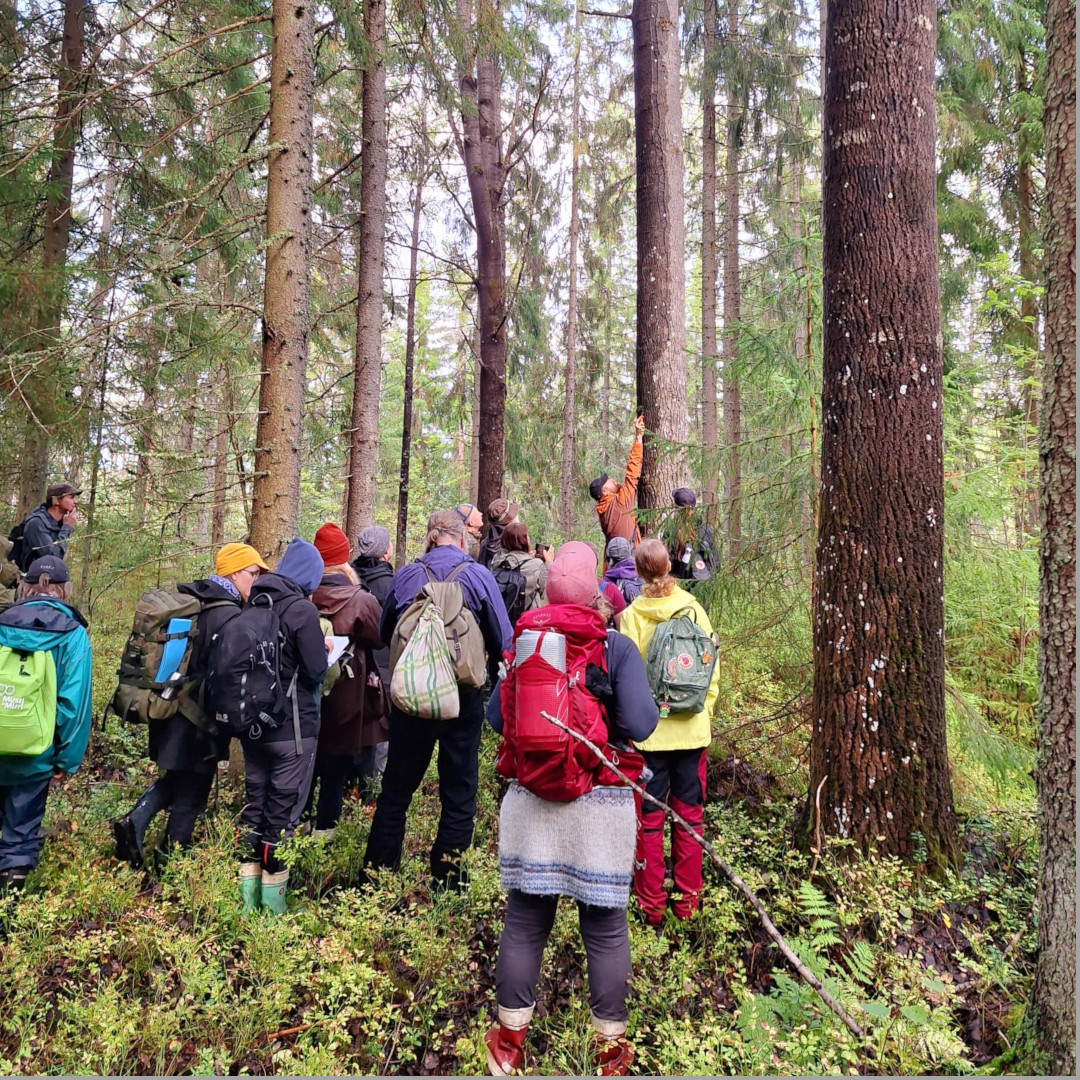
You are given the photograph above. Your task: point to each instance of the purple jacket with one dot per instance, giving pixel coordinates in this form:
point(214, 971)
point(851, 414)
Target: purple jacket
point(482, 597)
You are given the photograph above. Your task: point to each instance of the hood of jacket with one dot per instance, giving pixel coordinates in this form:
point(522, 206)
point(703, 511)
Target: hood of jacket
point(659, 608)
point(276, 587)
point(206, 591)
point(301, 563)
point(333, 593)
point(369, 569)
point(38, 623)
point(622, 571)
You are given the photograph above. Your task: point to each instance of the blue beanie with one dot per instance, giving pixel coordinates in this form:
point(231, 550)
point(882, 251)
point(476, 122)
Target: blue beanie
point(302, 564)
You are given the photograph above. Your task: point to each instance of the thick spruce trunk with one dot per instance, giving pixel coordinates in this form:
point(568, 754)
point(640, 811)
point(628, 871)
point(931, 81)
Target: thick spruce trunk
point(367, 377)
point(275, 514)
point(878, 742)
point(1055, 974)
point(661, 241)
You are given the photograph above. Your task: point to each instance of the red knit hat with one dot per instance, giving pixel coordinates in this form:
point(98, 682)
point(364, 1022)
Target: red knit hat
point(332, 544)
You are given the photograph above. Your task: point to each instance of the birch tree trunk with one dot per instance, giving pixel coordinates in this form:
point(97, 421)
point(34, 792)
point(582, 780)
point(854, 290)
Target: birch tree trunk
point(661, 240)
point(878, 743)
point(275, 514)
point(367, 378)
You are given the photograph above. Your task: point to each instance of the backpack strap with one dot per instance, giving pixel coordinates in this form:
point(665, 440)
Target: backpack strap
point(291, 694)
point(453, 575)
point(682, 611)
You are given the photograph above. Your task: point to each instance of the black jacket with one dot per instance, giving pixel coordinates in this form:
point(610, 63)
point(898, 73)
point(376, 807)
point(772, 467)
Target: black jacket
point(491, 546)
point(303, 653)
point(376, 576)
point(176, 743)
point(43, 535)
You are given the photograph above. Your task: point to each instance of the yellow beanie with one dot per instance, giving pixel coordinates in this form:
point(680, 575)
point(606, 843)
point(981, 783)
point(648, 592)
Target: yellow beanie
point(233, 557)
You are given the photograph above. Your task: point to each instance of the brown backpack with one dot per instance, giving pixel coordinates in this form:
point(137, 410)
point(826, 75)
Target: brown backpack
point(463, 636)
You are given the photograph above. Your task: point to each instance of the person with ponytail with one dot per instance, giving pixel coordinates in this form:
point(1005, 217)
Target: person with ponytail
point(676, 752)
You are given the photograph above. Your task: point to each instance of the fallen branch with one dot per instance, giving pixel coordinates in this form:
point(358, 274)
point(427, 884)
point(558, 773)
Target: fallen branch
point(816, 849)
point(752, 898)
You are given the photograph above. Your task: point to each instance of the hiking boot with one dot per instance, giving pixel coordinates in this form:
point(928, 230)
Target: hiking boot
point(250, 886)
point(506, 1047)
point(128, 839)
point(614, 1057)
point(273, 891)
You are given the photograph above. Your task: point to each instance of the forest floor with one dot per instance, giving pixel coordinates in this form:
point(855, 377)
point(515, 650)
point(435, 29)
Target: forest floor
point(106, 970)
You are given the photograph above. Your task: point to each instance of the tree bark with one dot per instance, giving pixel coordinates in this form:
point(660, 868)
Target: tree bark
point(1055, 974)
point(482, 151)
point(566, 479)
point(474, 417)
point(410, 359)
point(364, 459)
point(732, 304)
point(709, 432)
point(39, 388)
point(661, 287)
point(878, 744)
point(275, 513)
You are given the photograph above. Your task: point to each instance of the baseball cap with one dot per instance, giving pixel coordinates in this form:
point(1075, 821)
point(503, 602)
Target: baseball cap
point(596, 488)
point(618, 548)
point(502, 510)
point(53, 568)
point(58, 491)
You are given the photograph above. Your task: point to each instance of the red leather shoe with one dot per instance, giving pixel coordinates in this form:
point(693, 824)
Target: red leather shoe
point(505, 1049)
point(615, 1057)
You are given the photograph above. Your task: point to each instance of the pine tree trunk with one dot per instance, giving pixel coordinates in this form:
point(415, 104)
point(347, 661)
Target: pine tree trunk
point(661, 240)
point(732, 304)
point(878, 740)
point(1055, 974)
point(709, 432)
point(364, 459)
point(38, 390)
point(275, 513)
point(410, 360)
point(566, 479)
point(481, 117)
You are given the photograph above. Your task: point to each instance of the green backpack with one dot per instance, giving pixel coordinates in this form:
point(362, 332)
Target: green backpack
point(679, 663)
point(27, 701)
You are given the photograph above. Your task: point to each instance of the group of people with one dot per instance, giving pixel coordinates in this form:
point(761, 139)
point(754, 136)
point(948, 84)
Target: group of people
point(343, 623)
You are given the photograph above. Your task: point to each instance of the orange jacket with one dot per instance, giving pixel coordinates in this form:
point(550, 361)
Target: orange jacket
point(616, 510)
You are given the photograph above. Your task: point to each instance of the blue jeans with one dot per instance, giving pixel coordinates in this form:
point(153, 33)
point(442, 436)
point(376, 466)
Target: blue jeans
point(21, 838)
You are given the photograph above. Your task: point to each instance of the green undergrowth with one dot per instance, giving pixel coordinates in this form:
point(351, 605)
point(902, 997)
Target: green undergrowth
point(106, 970)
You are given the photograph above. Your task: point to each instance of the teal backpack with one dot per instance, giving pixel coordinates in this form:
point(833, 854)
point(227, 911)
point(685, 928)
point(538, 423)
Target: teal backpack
point(679, 664)
point(27, 701)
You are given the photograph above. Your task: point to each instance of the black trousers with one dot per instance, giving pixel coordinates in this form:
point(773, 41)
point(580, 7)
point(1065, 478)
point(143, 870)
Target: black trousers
point(412, 742)
point(183, 792)
point(526, 929)
point(276, 785)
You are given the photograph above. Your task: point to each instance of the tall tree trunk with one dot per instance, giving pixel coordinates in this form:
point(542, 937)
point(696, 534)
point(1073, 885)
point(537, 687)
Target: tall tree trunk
point(410, 357)
point(364, 459)
point(482, 151)
point(275, 514)
point(709, 432)
point(1055, 974)
point(566, 479)
point(39, 389)
point(732, 303)
point(475, 397)
point(878, 743)
point(661, 239)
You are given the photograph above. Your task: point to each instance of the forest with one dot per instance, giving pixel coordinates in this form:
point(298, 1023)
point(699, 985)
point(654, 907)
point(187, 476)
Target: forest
point(270, 265)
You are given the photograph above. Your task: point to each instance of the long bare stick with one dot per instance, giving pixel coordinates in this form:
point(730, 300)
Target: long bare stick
point(752, 898)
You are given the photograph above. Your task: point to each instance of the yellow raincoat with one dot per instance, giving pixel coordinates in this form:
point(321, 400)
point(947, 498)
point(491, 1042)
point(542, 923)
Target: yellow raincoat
point(678, 731)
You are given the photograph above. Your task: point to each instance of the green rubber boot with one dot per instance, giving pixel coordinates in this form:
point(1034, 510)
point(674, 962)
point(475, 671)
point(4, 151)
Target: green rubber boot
point(273, 891)
point(250, 885)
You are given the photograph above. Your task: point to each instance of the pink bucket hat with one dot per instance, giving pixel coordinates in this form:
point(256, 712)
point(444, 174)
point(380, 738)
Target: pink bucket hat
point(571, 578)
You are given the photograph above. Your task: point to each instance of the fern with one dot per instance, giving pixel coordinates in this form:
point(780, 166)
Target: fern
point(861, 962)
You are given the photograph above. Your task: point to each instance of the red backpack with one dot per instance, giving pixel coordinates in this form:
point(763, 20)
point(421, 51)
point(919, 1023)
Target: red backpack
point(542, 757)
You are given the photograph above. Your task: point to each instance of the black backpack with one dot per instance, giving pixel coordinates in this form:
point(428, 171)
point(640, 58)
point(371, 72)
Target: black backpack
point(513, 587)
point(18, 546)
point(244, 681)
